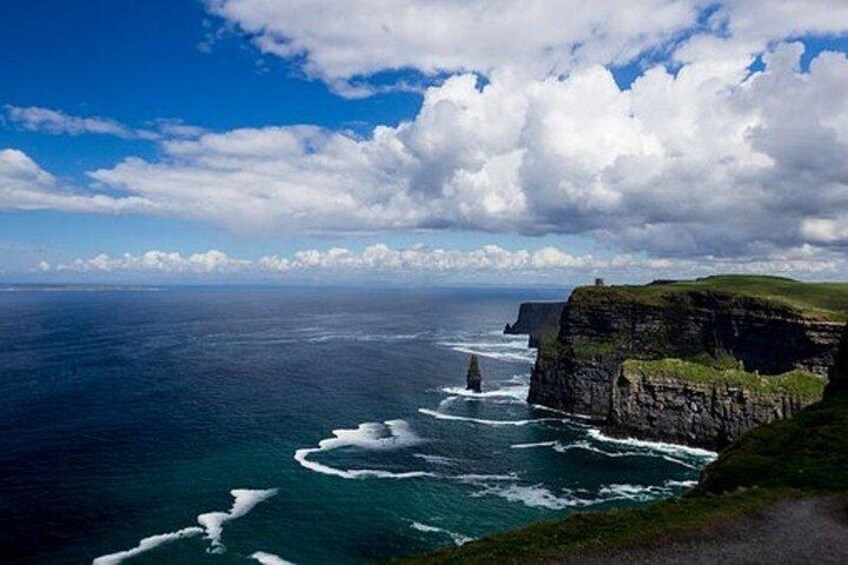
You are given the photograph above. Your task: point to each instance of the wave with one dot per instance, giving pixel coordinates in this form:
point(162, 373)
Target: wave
point(443, 416)
point(435, 459)
point(322, 338)
point(147, 544)
point(494, 345)
point(244, 501)
point(586, 446)
point(370, 436)
point(458, 539)
point(266, 558)
point(537, 496)
point(515, 393)
point(668, 448)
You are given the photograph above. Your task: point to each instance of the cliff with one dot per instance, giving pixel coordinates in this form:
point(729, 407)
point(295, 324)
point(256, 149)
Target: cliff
point(539, 320)
point(754, 326)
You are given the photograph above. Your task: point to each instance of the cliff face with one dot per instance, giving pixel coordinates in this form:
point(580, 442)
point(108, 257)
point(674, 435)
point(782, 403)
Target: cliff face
point(704, 414)
point(601, 327)
point(536, 319)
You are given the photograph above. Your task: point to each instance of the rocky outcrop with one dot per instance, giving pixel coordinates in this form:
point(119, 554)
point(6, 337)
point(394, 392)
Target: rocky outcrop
point(838, 374)
point(537, 319)
point(581, 370)
point(473, 378)
point(603, 326)
point(704, 414)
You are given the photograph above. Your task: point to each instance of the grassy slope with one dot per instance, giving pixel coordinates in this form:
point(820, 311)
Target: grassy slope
point(797, 383)
point(820, 300)
point(808, 453)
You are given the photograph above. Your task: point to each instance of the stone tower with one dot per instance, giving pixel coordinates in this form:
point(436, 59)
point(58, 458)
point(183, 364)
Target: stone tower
point(473, 378)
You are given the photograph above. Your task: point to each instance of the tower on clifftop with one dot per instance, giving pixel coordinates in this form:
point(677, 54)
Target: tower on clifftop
point(473, 378)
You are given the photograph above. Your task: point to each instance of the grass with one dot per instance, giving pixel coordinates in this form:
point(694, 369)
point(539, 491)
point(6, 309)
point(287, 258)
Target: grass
point(594, 532)
point(805, 455)
point(827, 301)
point(800, 384)
point(808, 451)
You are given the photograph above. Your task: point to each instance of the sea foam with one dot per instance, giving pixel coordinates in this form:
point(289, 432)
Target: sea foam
point(147, 544)
point(266, 558)
point(442, 416)
point(458, 539)
point(370, 436)
point(668, 448)
point(244, 501)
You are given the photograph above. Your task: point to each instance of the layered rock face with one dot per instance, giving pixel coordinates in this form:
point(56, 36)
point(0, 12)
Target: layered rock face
point(536, 319)
point(709, 415)
point(601, 327)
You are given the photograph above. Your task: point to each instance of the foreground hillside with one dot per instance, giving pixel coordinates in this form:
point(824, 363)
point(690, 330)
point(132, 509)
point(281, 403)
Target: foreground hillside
point(782, 490)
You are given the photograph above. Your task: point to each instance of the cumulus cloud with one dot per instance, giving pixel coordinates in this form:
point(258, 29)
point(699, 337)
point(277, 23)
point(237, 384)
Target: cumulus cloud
point(26, 186)
point(492, 261)
point(341, 41)
point(700, 157)
point(707, 160)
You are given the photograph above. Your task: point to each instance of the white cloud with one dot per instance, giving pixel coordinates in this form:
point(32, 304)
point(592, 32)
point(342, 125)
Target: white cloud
point(26, 186)
point(709, 160)
point(487, 262)
point(344, 40)
point(56, 122)
point(340, 41)
point(705, 161)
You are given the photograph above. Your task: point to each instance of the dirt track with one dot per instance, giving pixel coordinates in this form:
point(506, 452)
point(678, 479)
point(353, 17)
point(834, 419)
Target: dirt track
point(805, 531)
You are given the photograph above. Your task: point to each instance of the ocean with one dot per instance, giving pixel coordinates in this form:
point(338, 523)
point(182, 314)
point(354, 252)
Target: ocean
point(273, 425)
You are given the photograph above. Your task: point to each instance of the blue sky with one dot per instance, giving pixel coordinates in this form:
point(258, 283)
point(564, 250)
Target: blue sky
point(527, 143)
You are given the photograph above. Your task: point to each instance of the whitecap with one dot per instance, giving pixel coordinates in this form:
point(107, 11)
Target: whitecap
point(458, 539)
point(244, 501)
point(683, 484)
point(147, 544)
point(443, 416)
point(531, 445)
point(371, 436)
point(515, 393)
point(638, 493)
point(668, 448)
point(435, 459)
point(537, 496)
point(266, 558)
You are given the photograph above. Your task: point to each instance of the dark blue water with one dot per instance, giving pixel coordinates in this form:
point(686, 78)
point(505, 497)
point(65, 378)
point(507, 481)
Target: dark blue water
point(128, 415)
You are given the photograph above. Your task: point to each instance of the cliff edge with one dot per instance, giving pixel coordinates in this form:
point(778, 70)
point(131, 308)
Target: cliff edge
point(695, 362)
point(539, 320)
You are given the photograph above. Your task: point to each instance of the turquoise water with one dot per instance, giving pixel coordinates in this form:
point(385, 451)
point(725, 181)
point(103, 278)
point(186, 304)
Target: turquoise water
point(222, 425)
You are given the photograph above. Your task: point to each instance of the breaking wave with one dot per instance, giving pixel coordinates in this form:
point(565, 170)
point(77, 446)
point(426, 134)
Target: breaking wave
point(266, 558)
point(147, 544)
point(213, 526)
point(244, 501)
point(458, 539)
point(442, 416)
point(370, 436)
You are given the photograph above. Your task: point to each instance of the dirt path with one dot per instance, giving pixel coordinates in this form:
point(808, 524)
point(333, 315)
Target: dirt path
point(805, 531)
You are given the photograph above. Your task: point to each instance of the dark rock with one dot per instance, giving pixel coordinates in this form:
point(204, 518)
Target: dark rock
point(537, 320)
point(473, 378)
point(838, 375)
point(709, 415)
point(601, 327)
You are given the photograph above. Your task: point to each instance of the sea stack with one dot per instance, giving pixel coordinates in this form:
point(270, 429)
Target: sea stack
point(473, 379)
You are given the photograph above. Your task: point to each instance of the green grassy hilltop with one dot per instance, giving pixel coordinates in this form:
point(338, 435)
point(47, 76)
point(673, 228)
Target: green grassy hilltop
point(820, 300)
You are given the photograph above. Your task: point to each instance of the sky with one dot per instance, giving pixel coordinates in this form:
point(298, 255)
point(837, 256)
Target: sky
point(428, 142)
